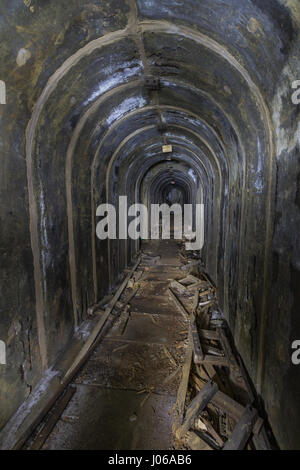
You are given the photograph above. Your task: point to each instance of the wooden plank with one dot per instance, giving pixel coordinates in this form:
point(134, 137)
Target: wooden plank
point(258, 426)
point(169, 356)
point(124, 317)
point(207, 292)
point(204, 318)
point(211, 430)
point(244, 375)
point(215, 360)
point(209, 334)
point(242, 431)
point(131, 295)
point(207, 278)
point(214, 351)
point(189, 280)
point(228, 404)
point(195, 302)
point(225, 402)
point(199, 284)
point(183, 386)
point(261, 440)
point(175, 285)
point(232, 361)
point(179, 305)
point(208, 303)
point(198, 352)
point(43, 435)
point(198, 404)
point(100, 324)
point(194, 442)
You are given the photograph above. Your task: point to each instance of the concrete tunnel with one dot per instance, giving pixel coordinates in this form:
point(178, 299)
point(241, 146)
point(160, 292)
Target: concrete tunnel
point(93, 91)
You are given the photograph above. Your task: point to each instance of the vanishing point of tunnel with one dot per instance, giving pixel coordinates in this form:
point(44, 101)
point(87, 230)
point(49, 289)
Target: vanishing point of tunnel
point(133, 338)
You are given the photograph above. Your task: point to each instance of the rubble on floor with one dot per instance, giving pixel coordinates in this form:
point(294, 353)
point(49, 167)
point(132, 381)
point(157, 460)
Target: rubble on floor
point(217, 408)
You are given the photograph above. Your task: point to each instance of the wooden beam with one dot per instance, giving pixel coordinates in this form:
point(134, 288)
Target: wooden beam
point(232, 361)
point(84, 351)
point(177, 286)
point(198, 352)
point(211, 430)
point(131, 295)
point(183, 386)
point(179, 305)
point(196, 407)
point(43, 435)
point(214, 351)
point(242, 431)
point(229, 405)
point(215, 360)
point(195, 302)
point(207, 292)
point(226, 403)
point(187, 281)
point(199, 283)
point(261, 440)
point(209, 334)
point(195, 442)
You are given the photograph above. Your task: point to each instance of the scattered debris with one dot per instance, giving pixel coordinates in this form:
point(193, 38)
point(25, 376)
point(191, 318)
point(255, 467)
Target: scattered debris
point(217, 410)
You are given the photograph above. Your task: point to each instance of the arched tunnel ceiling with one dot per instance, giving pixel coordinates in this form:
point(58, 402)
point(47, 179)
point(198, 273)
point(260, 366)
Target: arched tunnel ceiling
point(98, 117)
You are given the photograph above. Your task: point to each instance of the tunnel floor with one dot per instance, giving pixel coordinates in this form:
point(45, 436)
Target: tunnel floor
point(139, 378)
point(127, 389)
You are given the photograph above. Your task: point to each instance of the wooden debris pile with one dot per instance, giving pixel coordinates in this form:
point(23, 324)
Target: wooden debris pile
point(216, 407)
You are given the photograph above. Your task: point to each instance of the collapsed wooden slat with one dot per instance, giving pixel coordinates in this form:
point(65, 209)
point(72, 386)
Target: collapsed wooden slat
point(242, 431)
point(179, 305)
point(195, 302)
point(197, 285)
point(132, 295)
point(246, 380)
point(215, 360)
point(208, 303)
point(198, 404)
point(207, 292)
point(258, 426)
point(261, 440)
point(211, 430)
point(177, 286)
point(186, 281)
point(208, 280)
point(100, 324)
point(214, 351)
point(209, 334)
point(232, 361)
point(42, 436)
point(124, 317)
point(228, 404)
point(194, 442)
point(183, 386)
point(198, 352)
